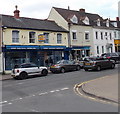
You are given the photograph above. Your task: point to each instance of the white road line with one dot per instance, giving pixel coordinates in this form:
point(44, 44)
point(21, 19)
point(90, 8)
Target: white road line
point(3, 102)
point(43, 93)
point(52, 91)
point(64, 88)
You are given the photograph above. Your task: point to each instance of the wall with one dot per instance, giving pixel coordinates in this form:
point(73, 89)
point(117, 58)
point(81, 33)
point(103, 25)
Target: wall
point(24, 37)
point(55, 16)
point(100, 43)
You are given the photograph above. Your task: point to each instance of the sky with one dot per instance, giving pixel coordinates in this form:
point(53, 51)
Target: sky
point(40, 9)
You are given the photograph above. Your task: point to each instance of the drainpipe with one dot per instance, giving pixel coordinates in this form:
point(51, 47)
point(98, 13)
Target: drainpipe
point(69, 40)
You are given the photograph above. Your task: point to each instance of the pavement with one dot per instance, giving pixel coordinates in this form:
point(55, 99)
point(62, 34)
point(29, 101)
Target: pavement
point(105, 87)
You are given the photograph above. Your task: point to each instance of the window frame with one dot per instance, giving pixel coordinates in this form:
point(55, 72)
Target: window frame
point(15, 37)
point(59, 38)
point(32, 39)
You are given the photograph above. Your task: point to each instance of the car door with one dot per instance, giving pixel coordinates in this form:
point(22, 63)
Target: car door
point(31, 69)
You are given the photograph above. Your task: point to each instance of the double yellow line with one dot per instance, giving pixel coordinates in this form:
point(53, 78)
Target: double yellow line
point(78, 92)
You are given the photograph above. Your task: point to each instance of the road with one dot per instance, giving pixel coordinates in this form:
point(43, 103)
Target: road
point(53, 93)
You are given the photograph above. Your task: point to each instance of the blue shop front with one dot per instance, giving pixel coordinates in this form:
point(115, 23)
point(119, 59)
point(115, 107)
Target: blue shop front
point(18, 54)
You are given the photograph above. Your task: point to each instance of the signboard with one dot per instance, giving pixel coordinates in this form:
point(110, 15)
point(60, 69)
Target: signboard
point(41, 37)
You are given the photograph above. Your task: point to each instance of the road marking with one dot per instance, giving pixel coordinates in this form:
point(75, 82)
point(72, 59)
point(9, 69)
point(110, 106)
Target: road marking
point(44, 93)
point(52, 91)
point(76, 90)
point(64, 88)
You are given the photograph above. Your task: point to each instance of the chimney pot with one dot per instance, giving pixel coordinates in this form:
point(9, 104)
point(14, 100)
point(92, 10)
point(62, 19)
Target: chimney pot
point(82, 10)
point(16, 12)
point(117, 18)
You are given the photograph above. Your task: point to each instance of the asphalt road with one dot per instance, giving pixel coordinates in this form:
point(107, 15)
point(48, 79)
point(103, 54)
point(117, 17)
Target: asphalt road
point(52, 93)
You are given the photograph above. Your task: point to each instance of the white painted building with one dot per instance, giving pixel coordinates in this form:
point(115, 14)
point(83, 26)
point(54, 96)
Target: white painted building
point(86, 29)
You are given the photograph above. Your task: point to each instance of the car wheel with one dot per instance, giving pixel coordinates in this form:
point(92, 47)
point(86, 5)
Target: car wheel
point(85, 69)
point(44, 72)
point(98, 68)
point(23, 75)
point(78, 68)
point(62, 70)
point(113, 66)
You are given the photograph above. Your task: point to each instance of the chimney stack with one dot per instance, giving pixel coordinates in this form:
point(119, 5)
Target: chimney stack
point(82, 10)
point(16, 12)
point(117, 18)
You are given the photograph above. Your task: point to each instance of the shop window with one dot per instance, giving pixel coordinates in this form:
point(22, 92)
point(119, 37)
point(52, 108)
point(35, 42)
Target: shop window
point(15, 36)
point(46, 37)
point(31, 37)
point(59, 38)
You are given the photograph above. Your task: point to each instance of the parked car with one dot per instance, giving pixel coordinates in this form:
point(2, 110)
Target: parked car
point(64, 65)
point(27, 69)
point(82, 60)
point(112, 56)
point(98, 64)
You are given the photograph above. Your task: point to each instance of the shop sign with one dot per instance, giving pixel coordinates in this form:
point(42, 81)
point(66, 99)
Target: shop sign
point(41, 37)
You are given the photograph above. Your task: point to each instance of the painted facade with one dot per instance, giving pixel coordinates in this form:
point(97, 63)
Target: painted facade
point(85, 25)
point(31, 40)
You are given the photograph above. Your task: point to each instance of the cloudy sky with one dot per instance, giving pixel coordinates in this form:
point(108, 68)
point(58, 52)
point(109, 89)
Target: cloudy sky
point(41, 8)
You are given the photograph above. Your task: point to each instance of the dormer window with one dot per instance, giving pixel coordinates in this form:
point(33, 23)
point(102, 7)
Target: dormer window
point(98, 22)
point(74, 19)
point(86, 21)
point(107, 23)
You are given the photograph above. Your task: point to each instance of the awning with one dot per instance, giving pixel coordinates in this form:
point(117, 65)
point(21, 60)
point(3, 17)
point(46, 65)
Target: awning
point(81, 47)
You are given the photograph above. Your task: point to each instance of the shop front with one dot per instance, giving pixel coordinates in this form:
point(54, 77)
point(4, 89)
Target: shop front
point(40, 55)
point(78, 52)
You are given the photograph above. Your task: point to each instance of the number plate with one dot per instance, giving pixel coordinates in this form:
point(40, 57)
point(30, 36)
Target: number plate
point(87, 63)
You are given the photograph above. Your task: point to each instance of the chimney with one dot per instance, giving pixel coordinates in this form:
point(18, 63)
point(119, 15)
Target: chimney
point(16, 12)
point(68, 7)
point(117, 18)
point(82, 10)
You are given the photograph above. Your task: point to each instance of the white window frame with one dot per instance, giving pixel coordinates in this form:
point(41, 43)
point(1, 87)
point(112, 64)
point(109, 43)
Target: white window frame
point(15, 36)
point(32, 39)
point(46, 37)
point(59, 38)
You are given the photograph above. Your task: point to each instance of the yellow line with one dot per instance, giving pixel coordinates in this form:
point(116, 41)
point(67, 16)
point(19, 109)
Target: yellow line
point(77, 86)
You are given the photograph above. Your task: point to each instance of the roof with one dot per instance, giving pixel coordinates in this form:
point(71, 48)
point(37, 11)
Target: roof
point(66, 14)
point(30, 23)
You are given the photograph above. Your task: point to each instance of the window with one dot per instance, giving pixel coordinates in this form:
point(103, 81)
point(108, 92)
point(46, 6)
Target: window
point(101, 35)
point(96, 34)
point(31, 37)
point(15, 36)
point(115, 35)
point(59, 38)
point(102, 49)
point(74, 35)
point(74, 19)
point(106, 35)
point(97, 49)
point(110, 36)
point(46, 37)
point(87, 36)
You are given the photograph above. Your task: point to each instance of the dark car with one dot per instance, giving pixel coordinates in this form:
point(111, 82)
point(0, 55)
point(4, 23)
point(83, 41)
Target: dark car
point(112, 56)
point(81, 61)
point(98, 64)
point(64, 65)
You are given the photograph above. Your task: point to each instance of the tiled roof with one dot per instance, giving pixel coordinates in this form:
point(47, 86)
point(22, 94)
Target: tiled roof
point(66, 14)
point(30, 23)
